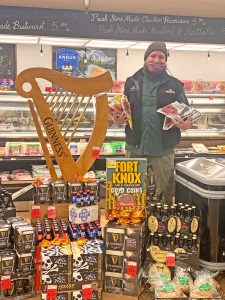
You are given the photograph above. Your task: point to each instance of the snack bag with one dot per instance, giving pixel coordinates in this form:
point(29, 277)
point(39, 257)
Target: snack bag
point(182, 280)
point(168, 291)
point(119, 104)
point(204, 287)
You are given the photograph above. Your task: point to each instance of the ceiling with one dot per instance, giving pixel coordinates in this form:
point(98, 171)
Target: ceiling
point(204, 8)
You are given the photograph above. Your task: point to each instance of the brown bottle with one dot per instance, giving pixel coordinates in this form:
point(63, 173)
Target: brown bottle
point(169, 246)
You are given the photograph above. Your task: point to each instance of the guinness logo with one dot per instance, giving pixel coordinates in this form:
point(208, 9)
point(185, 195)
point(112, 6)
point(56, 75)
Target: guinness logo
point(114, 281)
point(115, 237)
point(114, 259)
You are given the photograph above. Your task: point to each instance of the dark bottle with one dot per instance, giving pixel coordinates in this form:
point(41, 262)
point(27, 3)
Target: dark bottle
point(2, 202)
point(40, 235)
point(160, 244)
point(78, 200)
point(169, 246)
point(85, 199)
point(176, 242)
point(152, 209)
point(10, 201)
point(48, 235)
point(193, 211)
point(92, 198)
point(151, 239)
point(181, 242)
point(194, 247)
point(187, 222)
point(88, 198)
point(185, 246)
point(156, 239)
point(99, 234)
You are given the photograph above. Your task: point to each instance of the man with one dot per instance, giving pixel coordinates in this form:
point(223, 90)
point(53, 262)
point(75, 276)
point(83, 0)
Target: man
point(149, 89)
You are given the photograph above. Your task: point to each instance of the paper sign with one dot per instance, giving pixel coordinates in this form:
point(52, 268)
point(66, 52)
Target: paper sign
point(96, 152)
point(132, 269)
point(51, 212)
point(170, 260)
point(5, 282)
point(35, 212)
point(51, 292)
point(87, 291)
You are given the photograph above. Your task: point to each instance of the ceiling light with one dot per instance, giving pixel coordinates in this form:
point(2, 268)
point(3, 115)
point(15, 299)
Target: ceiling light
point(141, 45)
point(199, 47)
point(208, 56)
point(110, 44)
point(41, 51)
point(18, 39)
point(173, 45)
point(63, 41)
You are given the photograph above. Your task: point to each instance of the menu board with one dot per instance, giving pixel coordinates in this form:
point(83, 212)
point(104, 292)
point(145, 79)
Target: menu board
point(84, 63)
point(7, 67)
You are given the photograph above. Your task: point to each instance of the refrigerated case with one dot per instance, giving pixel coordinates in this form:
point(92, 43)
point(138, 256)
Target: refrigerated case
point(16, 122)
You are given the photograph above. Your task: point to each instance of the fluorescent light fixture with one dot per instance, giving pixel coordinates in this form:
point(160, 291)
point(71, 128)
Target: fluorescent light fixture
point(199, 47)
point(219, 50)
point(110, 44)
point(173, 45)
point(18, 39)
point(141, 45)
point(62, 41)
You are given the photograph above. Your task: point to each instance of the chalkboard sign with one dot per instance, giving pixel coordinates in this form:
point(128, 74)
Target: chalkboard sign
point(7, 67)
point(111, 25)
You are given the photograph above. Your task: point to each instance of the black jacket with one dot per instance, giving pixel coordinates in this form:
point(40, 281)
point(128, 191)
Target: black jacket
point(133, 91)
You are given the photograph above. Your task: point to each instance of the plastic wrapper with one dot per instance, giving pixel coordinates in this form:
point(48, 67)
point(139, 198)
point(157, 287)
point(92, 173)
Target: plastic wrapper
point(183, 280)
point(168, 291)
point(204, 287)
point(119, 104)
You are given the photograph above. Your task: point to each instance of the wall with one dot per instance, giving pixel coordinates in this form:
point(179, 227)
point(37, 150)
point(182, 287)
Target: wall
point(182, 64)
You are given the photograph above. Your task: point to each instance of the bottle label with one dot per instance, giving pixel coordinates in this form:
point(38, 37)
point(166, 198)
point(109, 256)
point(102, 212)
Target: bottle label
point(178, 224)
point(157, 254)
point(171, 224)
point(159, 268)
point(153, 224)
point(179, 250)
point(194, 225)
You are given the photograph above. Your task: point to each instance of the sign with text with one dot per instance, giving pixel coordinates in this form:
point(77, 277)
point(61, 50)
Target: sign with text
point(7, 68)
point(111, 25)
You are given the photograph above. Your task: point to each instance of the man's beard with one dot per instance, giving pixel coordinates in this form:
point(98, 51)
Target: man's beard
point(156, 68)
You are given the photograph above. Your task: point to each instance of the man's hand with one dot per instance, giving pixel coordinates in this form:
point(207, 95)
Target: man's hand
point(120, 120)
point(183, 124)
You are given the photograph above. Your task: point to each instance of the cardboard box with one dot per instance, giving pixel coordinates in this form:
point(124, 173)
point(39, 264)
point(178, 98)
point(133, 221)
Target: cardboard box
point(56, 259)
point(117, 283)
point(81, 215)
point(25, 261)
point(62, 210)
point(74, 295)
point(126, 184)
point(71, 286)
point(119, 261)
point(7, 213)
point(127, 237)
point(76, 279)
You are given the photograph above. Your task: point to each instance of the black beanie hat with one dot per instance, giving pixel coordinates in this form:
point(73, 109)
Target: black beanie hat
point(156, 46)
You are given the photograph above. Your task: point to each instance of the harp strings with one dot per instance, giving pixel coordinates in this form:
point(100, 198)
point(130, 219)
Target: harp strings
point(68, 110)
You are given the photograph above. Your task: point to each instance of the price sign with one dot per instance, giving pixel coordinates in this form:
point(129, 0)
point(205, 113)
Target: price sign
point(170, 259)
point(87, 291)
point(35, 212)
point(132, 269)
point(51, 212)
point(96, 151)
point(5, 282)
point(51, 292)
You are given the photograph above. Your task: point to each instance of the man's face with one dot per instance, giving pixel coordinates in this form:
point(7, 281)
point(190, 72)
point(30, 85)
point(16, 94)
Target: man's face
point(156, 61)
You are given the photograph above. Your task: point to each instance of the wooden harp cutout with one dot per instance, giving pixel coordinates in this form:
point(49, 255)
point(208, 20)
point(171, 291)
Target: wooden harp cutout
point(60, 113)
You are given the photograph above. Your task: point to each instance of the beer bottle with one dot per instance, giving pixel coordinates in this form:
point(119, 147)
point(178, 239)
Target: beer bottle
point(181, 242)
point(156, 240)
point(160, 243)
point(151, 239)
point(169, 245)
point(194, 247)
point(177, 241)
point(78, 200)
point(185, 246)
point(10, 201)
